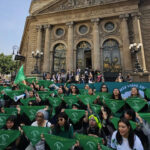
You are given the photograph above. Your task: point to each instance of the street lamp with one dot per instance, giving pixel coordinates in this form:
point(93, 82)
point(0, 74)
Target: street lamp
point(134, 49)
point(37, 55)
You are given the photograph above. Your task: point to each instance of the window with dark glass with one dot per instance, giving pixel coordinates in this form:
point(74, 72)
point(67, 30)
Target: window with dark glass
point(109, 26)
point(83, 29)
point(59, 32)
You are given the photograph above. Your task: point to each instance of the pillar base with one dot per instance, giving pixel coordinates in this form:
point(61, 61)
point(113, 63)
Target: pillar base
point(141, 77)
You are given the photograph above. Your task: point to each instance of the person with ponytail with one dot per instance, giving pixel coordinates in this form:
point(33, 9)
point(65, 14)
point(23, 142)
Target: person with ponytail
point(124, 138)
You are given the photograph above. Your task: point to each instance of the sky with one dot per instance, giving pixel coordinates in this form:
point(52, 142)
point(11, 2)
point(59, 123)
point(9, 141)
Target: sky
point(13, 14)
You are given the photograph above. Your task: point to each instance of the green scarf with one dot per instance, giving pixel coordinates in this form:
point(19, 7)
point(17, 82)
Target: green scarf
point(145, 116)
point(3, 118)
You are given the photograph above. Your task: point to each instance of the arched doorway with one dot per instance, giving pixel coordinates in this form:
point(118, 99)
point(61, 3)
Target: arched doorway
point(84, 59)
point(59, 58)
point(111, 59)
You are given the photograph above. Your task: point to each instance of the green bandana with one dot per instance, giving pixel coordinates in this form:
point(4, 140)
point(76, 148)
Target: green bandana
point(55, 101)
point(34, 133)
point(136, 103)
point(31, 80)
point(44, 94)
point(145, 116)
point(75, 115)
point(115, 120)
point(20, 76)
point(31, 111)
point(12, 94)
point(88, 142)
point(95, 108)
point(114, 105)
point(7, 137)
point(24, 87)
point(11, 111)
point(147, 93)
point(70, 100)
point(3, 118)
point(83, 92)
point(87, 99)
point(27, 100)
point(104, 95)
point(58, 143)
point(45, 83)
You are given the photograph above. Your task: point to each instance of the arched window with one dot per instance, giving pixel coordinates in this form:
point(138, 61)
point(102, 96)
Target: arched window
point(111, 56)
point(84, 55)
point(59, 57)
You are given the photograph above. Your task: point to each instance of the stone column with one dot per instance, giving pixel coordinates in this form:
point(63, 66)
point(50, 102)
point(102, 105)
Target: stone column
point(39, 37)
point(96, 43)
point(127, 62)
point(70, 58)
point(46, 63)
point(138, 37)
point(51, 61)
point(75, 60)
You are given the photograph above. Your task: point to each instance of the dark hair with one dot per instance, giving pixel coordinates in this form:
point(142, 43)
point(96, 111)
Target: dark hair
point(138, 94)
point(107, 110)
point(11, 119)
point(77, 90)
point(131, 113)
point(66, 125)
point(102, 86)
point(131, 133)
point(119, 95)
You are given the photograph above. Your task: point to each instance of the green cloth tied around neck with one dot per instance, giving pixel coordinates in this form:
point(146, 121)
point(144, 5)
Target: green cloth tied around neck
point(31, 111)
point(136, 103)
point(11, 111)
point(75, 115)
point(7, 137)
point(20, 76)
point(114, 105)
point(34, 133)
point(72, 99)
point(59, 143)
point(145, 116)
point(88, 142)
point(26, 101)
point(3, 118)
point(87, 99)
point(115, 120)
point(95, 108)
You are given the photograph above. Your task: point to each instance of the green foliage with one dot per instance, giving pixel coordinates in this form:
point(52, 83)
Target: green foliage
point(7, 65)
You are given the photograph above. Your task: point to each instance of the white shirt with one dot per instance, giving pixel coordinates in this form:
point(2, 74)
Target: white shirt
point(125, 144)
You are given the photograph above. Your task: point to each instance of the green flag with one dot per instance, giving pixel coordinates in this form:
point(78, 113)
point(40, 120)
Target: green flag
point(95, 108)
point(147, 93)
point(24, 87)
point(70, 99)
point(34, 133)
point(11, 111)
point(115, 120)
point(75, 115)
point(31, 111)
point(88, 142)
point(136, 103)
point(31, 80)
point(26, 101)
point(20, 76)
point(45, 83)
point(44, 94)
point(55, 101)
point(7, 137)
point(145, 116)
point(58, 143)
point(83, 92)
point(87, 99)
point(3, 118)
point(114, 105)
point(14, 93)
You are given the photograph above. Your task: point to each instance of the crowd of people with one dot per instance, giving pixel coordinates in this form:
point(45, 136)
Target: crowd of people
point(96, 124)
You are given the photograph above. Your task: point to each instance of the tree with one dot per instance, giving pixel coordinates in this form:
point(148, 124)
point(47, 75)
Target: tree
point(7, 64)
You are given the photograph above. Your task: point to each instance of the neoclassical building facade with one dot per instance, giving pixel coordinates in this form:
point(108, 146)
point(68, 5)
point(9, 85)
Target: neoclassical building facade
point(96, 34)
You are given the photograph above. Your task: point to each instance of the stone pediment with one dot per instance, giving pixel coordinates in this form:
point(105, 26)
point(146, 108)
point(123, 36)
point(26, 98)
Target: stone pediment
point(63, 5)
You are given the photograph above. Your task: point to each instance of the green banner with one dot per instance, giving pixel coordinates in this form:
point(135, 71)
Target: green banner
point(58, 143)
point(31, 111)
point(136, 103)
point(34, 133)
point(7, 137)
point(88, 142)
point(3, 118)
point(75, 115)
